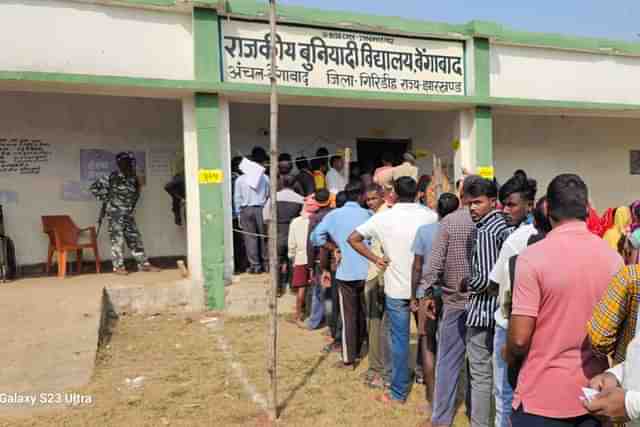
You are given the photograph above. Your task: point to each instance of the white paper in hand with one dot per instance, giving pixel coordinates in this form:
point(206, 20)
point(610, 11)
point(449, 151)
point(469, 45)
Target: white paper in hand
point(589, 393)
point(253, 171)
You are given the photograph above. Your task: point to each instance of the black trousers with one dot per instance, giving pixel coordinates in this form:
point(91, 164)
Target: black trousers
point(519, 418)
point(240, 261)
point(353, 318)
point(252, 223)
point(177, 190)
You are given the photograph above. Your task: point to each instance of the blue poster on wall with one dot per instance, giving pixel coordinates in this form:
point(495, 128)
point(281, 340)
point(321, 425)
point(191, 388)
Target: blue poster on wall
point(95, 163)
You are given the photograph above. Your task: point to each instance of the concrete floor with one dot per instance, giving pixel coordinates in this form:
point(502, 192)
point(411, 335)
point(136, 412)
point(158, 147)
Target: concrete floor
point(50, 327)
point(49, 334)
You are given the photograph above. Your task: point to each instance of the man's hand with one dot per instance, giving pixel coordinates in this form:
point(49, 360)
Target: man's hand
point(604, 381)
point(430, 308)
point(464, 285)
point(338, 256)
point(609, 403)
point(325, 279)
point(414, 305)
point(493, 289)
point(382, 263)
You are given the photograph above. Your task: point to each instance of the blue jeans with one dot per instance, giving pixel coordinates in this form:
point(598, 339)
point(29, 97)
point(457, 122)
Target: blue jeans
point(317, 307)
point(399, 315)
point(502, 388)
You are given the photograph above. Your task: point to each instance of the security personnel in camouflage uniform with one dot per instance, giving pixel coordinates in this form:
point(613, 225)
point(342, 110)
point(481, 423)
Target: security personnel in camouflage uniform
point(120, 192)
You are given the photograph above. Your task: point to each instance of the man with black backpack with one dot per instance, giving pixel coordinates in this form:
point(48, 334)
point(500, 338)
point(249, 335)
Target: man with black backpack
point(119, 193)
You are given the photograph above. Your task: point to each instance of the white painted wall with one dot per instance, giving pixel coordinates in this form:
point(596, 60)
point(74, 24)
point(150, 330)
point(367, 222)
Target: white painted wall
point(73, 122)
point(73, 37)
point(191, 158)
point(305, 129)
point(528, 72)
point(595, 148)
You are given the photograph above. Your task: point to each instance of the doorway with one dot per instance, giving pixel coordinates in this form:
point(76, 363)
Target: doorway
point(370, 151)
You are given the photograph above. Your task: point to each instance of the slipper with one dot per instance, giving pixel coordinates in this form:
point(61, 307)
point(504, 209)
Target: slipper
point(120, 271)
point(376, 383)
point(332, 348)
point(388, 400)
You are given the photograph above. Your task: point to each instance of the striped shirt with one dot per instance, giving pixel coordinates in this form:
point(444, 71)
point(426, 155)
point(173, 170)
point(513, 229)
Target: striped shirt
point(492, 231)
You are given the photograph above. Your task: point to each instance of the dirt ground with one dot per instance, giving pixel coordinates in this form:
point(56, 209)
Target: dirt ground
point(190, 381)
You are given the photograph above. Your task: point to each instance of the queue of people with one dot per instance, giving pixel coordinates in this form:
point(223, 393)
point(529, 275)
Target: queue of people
point(531, 295)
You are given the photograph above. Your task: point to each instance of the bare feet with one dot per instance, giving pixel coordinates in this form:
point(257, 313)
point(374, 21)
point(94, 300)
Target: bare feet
point(424, 409)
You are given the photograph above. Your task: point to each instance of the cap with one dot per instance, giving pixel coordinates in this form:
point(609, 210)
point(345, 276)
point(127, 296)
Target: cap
point(125, 155)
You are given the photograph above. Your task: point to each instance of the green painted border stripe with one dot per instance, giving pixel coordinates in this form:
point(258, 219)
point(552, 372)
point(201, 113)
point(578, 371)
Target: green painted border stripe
point(355, 95)
point(211, 209)
point(206, 36)
point(206, 40)
point(180, 87)
point(481, 60)
point(484, 137)
point(188, 86)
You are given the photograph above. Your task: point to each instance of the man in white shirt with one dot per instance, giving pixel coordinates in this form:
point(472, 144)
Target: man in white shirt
point(396, 229)
point(335, 179)
point(517, 195)
point(617, 399)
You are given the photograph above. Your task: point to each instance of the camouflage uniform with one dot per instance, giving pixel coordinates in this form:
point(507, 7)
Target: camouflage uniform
point(121, 194)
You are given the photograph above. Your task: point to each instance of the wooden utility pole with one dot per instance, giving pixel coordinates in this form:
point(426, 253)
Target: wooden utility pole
point(272, 362)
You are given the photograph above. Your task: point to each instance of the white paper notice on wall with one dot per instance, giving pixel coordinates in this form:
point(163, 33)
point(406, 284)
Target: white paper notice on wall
point(76, 191)
point(8, 197)
point(24, 156)
point(160, 162)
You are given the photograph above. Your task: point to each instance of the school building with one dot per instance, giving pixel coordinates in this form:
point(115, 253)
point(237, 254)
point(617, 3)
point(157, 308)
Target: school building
point(189, 79)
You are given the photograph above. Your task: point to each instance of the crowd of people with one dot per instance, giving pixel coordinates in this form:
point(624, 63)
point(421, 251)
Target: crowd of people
point(537, 297)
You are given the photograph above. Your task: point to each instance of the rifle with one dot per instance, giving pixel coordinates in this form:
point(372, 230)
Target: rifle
point(103, 212)
point(103, 209)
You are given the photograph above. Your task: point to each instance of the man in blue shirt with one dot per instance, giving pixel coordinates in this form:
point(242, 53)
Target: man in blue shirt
point(352, 270)
point(248, 202)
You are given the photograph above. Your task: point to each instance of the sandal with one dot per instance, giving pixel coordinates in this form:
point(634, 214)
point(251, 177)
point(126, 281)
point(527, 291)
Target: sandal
point(388, 400)
point(120, 271)
point(148, 268)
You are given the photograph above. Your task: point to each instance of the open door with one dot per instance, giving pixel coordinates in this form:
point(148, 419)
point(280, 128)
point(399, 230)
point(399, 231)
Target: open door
point(370, 151)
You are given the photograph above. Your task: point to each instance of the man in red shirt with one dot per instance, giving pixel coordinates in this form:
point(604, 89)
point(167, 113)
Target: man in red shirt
point(558, 282)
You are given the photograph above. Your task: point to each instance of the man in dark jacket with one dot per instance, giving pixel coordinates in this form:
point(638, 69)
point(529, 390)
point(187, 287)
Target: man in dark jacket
point(305, 184)
point(289, 207)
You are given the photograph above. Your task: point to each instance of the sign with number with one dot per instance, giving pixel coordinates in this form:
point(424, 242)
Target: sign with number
point(210, 176)
point(486, 172)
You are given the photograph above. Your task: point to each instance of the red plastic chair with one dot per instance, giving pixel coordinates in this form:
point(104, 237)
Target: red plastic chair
point(64, 236)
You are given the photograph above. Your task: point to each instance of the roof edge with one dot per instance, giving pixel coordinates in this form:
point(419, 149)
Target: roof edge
point(493, 31)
